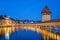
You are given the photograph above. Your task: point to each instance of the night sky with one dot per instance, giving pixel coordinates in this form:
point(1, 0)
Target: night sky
point(29, 9)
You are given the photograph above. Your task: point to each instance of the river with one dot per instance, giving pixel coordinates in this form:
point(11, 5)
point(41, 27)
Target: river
point(22, 34)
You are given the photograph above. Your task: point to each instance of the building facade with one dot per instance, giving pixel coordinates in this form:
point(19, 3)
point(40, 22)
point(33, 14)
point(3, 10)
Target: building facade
point(6, 21)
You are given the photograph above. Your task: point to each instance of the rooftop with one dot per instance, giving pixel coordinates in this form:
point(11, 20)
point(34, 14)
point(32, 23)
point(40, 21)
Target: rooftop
point(46, 10)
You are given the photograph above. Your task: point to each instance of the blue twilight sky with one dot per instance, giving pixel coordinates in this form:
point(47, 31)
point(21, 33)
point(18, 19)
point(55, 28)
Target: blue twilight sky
point(29, 9)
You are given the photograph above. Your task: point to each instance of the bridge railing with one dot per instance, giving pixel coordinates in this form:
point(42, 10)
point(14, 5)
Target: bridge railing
point(51, 30)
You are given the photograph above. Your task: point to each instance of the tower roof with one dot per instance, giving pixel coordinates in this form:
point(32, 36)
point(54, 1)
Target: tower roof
point(46, 10)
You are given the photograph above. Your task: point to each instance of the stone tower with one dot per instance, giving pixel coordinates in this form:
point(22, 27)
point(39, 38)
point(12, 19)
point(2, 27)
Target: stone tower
point(46, 14)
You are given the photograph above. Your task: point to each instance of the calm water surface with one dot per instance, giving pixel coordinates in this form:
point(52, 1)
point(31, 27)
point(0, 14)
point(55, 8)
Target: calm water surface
point(22, 34)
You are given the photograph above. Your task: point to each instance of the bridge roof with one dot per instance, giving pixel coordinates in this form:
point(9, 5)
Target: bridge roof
point(34, 22)
point(28, 21)
point(55, 20)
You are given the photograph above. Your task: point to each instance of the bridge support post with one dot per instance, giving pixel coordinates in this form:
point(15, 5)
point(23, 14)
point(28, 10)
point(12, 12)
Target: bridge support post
point(44, 37)
point(13, 29)
point(55, 32)
point(47, 38)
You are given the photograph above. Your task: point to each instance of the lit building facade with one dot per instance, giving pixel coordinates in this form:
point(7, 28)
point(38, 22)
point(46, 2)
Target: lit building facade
point(7, 22)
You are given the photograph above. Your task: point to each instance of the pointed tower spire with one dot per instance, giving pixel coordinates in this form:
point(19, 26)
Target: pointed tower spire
point(46, 10)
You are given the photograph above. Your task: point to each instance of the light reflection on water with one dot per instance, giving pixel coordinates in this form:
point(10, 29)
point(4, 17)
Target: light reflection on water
point(22, 34)
point(25, 35)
